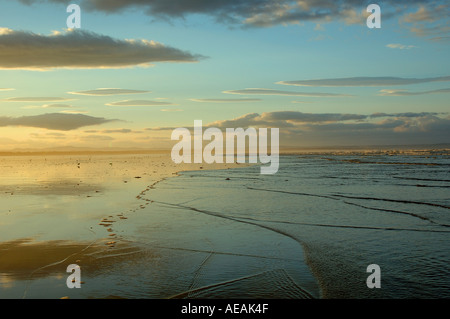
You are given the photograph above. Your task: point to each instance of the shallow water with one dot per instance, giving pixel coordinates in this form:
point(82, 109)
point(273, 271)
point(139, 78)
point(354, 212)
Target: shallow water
point(309, 231)
point(346, 212)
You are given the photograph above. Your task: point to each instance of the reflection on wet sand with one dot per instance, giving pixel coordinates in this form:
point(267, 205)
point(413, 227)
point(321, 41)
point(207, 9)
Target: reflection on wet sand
point(26, 258)
point(25, 261)
point(58, 210)
point(49, 188)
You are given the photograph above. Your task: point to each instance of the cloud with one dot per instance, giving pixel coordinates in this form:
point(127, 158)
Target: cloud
point(45, 106)
point(54, 121)
point(365, 81)
point(299, 117)
point(225, 100)
point(139, 103)
point(407, 114)
point(400, 46)
point(73, 112)
point(121, 131)
point(387, 92)
point(440, 39)
point(252, 13)
point(299, 129)
point(283, 93)
point(6, 89)
point(82, 49)
point(429, 20)
point(106, 91)
point(97, 138)
point(285, 119)
point(319, 27)
point(49, 135)
point(427, 14)
point(36, 99)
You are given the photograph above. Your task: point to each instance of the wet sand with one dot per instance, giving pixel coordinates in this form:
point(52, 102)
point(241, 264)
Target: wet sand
point(94, 210)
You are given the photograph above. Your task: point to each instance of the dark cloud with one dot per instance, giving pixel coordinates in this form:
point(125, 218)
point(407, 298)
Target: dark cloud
point(54, 121)
point(365, 81)
point(299, 129)
point(304, 129)
point(256, 13)
point(81, 49)
point(285, 119)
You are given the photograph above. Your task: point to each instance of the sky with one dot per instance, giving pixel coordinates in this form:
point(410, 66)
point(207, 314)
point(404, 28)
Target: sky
point(135, 70)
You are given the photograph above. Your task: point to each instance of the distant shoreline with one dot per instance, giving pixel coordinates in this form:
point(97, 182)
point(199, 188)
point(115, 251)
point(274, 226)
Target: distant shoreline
point(82, 152)
point(368, 150)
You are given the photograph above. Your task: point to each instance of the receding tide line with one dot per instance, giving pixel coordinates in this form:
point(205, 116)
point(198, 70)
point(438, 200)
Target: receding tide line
point(353, 197)
point(422, 179)
point(215, 214)
point(398, 212)
point(366, 207)
point(292, 193)
point(393, 200)
point(346, 226)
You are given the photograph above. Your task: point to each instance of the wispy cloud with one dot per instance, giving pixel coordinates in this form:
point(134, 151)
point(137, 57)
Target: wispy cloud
point(114, 131)
point(97, 138)
point(225, 100)
point(387, 92)
point(49, 135)
point(406, 114)
point(108, 91)
point(365, 81)
point(139, 103)
point(54, 121)
point(73, 112)
point(46, 106)
point(36, 99)
point(82, 49)
point(283, 93)
point(400, 46)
